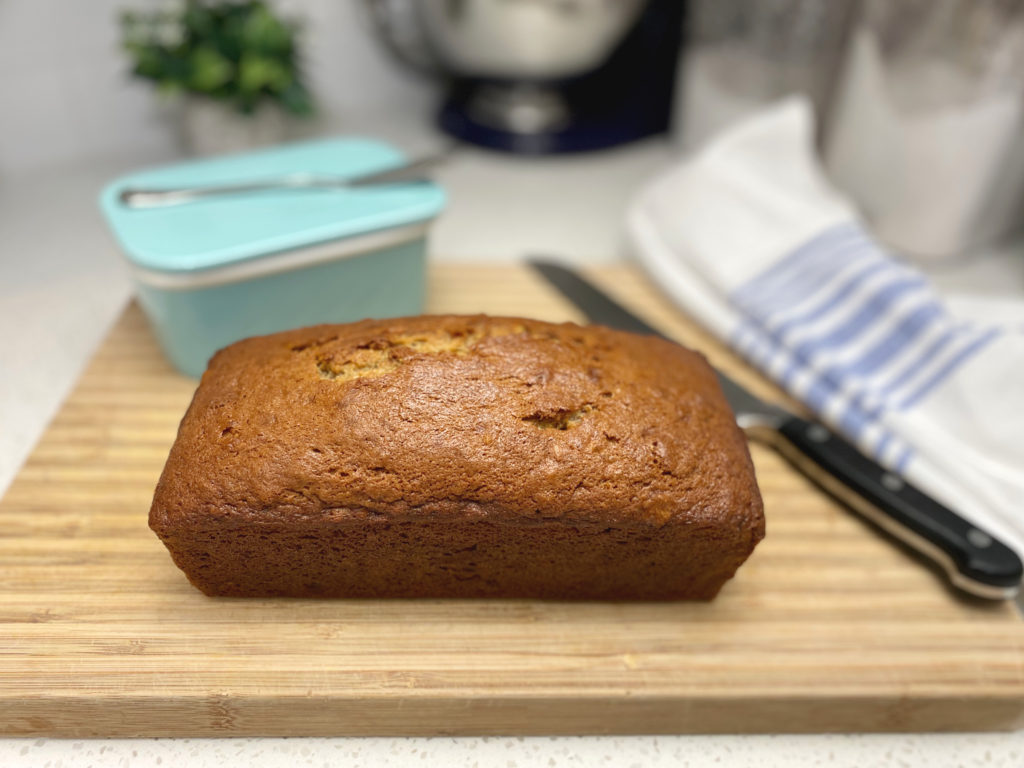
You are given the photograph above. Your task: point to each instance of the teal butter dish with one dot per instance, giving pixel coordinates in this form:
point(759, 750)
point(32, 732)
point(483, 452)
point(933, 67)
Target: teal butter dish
point(219, 269)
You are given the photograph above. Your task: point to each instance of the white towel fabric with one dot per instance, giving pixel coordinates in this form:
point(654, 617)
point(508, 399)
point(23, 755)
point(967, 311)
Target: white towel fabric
point(750, 239)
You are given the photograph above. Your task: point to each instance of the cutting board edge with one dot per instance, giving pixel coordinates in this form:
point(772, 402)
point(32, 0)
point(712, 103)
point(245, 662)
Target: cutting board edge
point(218, 715)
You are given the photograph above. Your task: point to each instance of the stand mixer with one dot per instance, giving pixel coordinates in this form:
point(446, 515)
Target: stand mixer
point(541, 76)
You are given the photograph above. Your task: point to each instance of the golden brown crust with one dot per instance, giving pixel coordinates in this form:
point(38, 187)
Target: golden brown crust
point(425, 426)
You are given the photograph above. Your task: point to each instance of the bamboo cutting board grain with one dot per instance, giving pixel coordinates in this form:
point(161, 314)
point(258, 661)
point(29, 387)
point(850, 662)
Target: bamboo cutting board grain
point(828, 627)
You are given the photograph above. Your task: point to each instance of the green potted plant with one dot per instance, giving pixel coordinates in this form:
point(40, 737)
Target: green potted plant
point(236, 64)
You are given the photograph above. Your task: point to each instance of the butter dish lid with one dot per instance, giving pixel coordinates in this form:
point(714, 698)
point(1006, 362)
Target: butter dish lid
point(222, 230)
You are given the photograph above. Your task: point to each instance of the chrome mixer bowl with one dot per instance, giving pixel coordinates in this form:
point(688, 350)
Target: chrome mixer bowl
point(524, 39)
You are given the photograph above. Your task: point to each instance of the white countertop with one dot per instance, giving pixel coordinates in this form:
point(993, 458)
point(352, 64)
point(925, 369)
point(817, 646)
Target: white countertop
point(62, 284)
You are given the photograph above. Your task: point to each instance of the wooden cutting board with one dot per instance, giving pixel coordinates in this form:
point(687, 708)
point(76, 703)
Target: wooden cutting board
point(828, 627)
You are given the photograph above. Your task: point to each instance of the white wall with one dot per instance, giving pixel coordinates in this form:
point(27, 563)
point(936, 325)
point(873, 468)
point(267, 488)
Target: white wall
point(65, 95)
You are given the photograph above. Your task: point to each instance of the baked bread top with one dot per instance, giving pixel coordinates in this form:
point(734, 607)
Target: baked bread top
point(463, 417)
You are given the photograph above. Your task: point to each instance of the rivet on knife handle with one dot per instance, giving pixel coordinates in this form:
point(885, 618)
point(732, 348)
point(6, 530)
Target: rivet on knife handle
point(974, 561)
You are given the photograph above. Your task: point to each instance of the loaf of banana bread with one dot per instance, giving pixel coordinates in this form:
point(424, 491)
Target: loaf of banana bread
point(456, 456)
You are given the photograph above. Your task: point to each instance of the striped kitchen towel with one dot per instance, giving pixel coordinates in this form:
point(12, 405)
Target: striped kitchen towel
point(749, 238)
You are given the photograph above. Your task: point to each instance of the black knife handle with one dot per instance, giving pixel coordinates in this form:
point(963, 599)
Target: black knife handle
point(976, 561)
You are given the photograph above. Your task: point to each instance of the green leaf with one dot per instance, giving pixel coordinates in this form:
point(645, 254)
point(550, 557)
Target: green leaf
point(209, 70)
point(236, 51)
point(263, 33)
point(149, 63)
point(198, 21)
point(257, 72)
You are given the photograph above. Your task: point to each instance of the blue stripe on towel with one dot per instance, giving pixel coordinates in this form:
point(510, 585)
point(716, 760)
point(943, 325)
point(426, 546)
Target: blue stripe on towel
point(883, 443)
point(869, 314)
point(864, 318)
point(853, 421)
point(900, 464)
point(909, 327)
point(806, 276)
point(900, 376)
point(792, 264)
point(828, 305)
point(943, 373)
point(860, 390)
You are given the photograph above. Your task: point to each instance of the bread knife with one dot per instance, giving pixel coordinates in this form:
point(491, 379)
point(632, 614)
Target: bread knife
point(974, 561)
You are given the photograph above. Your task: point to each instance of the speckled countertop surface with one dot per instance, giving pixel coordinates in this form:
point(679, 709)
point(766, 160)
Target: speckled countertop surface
point(62, 284)
point(828, 751)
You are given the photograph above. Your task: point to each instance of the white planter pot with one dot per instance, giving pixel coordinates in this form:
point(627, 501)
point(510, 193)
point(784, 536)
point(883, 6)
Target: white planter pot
point(208, 127)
